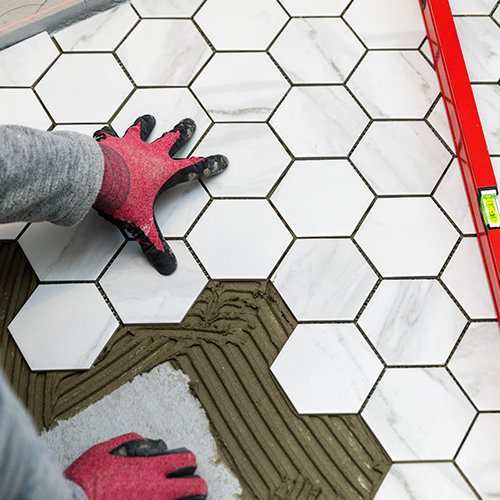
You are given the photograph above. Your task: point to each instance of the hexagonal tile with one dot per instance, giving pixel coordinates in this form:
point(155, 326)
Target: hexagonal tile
point(487, 97)
point(325, 188)
point(395, 84)
point(141, 295)
point(401, 157)
point(84, 88)
point(21, 107)
point(11, 231)
point(466, 278)
point(177, 208)
point(243, 86)
point(87, 129)
point(412, 322)
point(99, 33)
point(304, 50)
point(406, 237)
point(166, 62)
point(319, 121)
point(387, 24)
point(240, 24)
point(239, 239)
point(23, 63)
point(315, 7)
point(424, 481)
point(73, 324)
point(172, 8)
point(418, 414)
point(450, 194)
point(324, 279)
point(169, 106)
point(464, 7)
point(479, 39)
point(242, 143)
point(479, 457)
point(475, 365)
point(439, 121)
point(76, 253)
point(326, 368)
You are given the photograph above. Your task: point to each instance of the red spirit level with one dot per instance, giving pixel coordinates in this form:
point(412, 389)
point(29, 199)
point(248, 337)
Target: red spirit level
point(470, 144)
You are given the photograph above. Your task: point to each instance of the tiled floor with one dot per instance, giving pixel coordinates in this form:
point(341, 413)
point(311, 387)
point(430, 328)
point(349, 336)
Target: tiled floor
point(342, 190)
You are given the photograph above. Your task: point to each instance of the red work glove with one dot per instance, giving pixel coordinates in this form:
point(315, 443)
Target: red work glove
point(137, 172)
point(130, 467)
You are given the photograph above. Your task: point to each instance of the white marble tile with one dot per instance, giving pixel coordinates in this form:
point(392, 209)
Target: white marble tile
point(406, 237)
point(11, 231)
point(395, 84)
point(412, 322)
point(76, 253)
point(387, 24)
point(333, 198)
point(426, 50)
point(84, 88)
point(87, 129)
point(166, 62)
point(241, 239)
point(439, 121)
point(63, 327)
point(326, 368)
point(172, 8)
point(401, 157)
point(243, 86)
point(475, 365)
point(488, 102)
point(21, 107)
point(101, 32)
point(23, 63)
point(141, 295)
point(424, 481)
point(466, 278)
point(317, 50)
point(169, 107)
point(256, 159)
point(464, 7)
point(319, 121)
point(495, 163)
point(315, 7)
point(418, 414)
point(324, 279)
point(479, 38)
point(451, 196)
point(239, 24)
point(177, 208)
point(479, 457)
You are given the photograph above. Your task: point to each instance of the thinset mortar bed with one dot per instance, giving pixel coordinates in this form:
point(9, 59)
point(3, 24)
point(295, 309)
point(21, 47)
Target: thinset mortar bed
point(225, 345)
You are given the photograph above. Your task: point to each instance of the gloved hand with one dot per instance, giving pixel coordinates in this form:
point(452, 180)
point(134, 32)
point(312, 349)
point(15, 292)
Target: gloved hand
point(130, 467)
point(137, 172)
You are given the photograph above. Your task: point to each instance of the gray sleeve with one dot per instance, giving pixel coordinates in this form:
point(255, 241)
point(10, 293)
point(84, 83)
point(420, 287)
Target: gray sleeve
point(47, 176)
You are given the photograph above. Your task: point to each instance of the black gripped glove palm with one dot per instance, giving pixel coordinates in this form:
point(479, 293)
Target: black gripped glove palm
point(137, 172)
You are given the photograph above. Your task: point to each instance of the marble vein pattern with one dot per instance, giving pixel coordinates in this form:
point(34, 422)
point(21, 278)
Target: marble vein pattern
point(100, 33)
point(326, 368)
point(172, 8)
point(240, 24)
point(315, 7)
point(167, 62)
point(471, 7)
point(406, 237)
point(424, 481)
point(387, 24)
point(162, 300)
point(319, 121)
point(401, 157)
point(419, 414)
point(325, 209)
point(256, 157)
point(487, 98)
point(469, 288)
point(412, 322)
point(395, 84)
point(73, 323)
point(22, 64)
point(479, 457)
point(324, 279)
point(304, 52)
point(76, 253)
point(21, 107)
point(475, 365)
point(240, 239)
point(243, 86)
